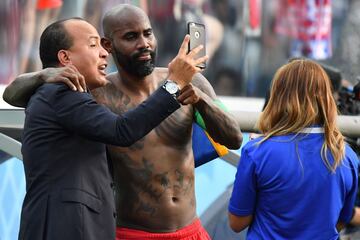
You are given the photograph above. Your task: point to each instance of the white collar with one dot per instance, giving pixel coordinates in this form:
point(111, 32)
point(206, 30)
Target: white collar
point(312, 130)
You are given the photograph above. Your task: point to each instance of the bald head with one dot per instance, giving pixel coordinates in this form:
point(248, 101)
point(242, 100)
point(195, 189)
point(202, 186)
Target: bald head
point(130, 39)
point(121, 15)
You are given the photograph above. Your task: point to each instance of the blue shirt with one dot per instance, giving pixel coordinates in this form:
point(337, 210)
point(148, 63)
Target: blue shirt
point(285, 185)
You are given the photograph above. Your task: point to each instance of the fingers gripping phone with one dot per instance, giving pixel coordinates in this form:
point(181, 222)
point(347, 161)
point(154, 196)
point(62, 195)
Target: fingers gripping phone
point(197, 37)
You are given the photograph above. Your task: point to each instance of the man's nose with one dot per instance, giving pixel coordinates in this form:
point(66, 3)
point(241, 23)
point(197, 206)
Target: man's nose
point(143, 42)
point(103, 53)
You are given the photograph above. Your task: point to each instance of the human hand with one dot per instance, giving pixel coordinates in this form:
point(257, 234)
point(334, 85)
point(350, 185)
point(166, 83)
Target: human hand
point(189, 95)
point(183, 67)
point(68, 75)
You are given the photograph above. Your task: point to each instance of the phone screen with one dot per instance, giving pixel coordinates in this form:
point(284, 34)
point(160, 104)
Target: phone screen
point(197, 37)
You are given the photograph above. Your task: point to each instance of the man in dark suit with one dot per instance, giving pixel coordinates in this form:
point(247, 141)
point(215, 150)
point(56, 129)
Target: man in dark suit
point(69, 188)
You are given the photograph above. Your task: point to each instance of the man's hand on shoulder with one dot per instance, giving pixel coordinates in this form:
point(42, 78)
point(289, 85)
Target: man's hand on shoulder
point(68, 75)
point(19, 92)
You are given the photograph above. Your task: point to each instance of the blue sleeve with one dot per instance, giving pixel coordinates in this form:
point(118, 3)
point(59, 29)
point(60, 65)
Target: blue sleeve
point(349, 203)
point(243, 198)
point(79, 113)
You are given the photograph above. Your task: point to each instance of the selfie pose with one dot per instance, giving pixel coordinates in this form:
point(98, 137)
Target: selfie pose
point(154, 177)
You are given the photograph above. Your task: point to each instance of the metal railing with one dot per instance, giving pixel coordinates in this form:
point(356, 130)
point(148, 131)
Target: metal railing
point(348, 125)
point(10, 146)
point(12, 121)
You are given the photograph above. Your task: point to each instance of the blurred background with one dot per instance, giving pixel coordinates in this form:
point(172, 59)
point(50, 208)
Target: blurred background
point(247, 40)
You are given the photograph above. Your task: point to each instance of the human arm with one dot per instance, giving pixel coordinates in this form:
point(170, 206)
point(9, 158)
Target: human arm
point(79, 113)
point(239, 223)
point(23, 87)
point(355, 219)
point(350, 214)
point(221, 126)
point(243, 199)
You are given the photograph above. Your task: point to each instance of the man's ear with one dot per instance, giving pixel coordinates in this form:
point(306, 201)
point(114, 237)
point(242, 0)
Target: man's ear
point(64, 57)
point(106, 43)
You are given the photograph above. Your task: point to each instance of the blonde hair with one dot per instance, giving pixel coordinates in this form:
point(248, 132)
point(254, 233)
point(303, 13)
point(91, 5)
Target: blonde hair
point(301, 96)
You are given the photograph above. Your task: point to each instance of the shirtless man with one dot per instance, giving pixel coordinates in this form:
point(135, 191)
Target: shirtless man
point(154, 178)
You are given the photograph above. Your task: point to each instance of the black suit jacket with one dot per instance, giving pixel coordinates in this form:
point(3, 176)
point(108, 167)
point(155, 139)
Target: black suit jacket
point(69, 188)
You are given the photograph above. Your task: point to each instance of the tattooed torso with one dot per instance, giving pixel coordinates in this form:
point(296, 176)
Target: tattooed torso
point(154, 178)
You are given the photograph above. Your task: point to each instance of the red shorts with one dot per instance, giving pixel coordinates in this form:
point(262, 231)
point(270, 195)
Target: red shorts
point(193, 231)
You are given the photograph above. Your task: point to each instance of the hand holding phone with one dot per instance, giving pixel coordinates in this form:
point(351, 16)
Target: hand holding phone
point(197, 37)
point(185, 64)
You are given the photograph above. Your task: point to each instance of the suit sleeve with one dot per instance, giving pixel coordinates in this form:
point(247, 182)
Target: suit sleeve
point(79, 113)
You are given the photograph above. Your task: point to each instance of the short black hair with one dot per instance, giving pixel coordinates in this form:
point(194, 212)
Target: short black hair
point(53, 39)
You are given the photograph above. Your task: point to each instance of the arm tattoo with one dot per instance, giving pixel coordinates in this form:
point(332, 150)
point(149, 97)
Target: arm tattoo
point(204, 86)
point(221, 126)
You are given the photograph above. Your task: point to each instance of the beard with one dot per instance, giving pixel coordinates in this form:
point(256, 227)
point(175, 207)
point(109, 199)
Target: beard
point(132, 65)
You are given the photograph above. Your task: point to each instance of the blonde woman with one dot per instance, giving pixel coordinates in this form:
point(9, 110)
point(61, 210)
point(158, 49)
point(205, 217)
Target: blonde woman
point(299, 179)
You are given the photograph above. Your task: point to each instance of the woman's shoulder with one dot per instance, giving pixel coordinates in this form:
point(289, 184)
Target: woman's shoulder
point(273, 145)
point(273, 140)
point(254, 145)
point(350, 154)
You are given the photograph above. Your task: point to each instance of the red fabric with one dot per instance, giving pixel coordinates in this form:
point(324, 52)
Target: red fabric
point(45, 4)
point(193, 231)
point(304, 19)
point(254, 13)
point(308, 24)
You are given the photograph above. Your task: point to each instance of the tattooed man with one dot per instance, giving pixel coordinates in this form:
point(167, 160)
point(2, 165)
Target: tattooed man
point(154, 178)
